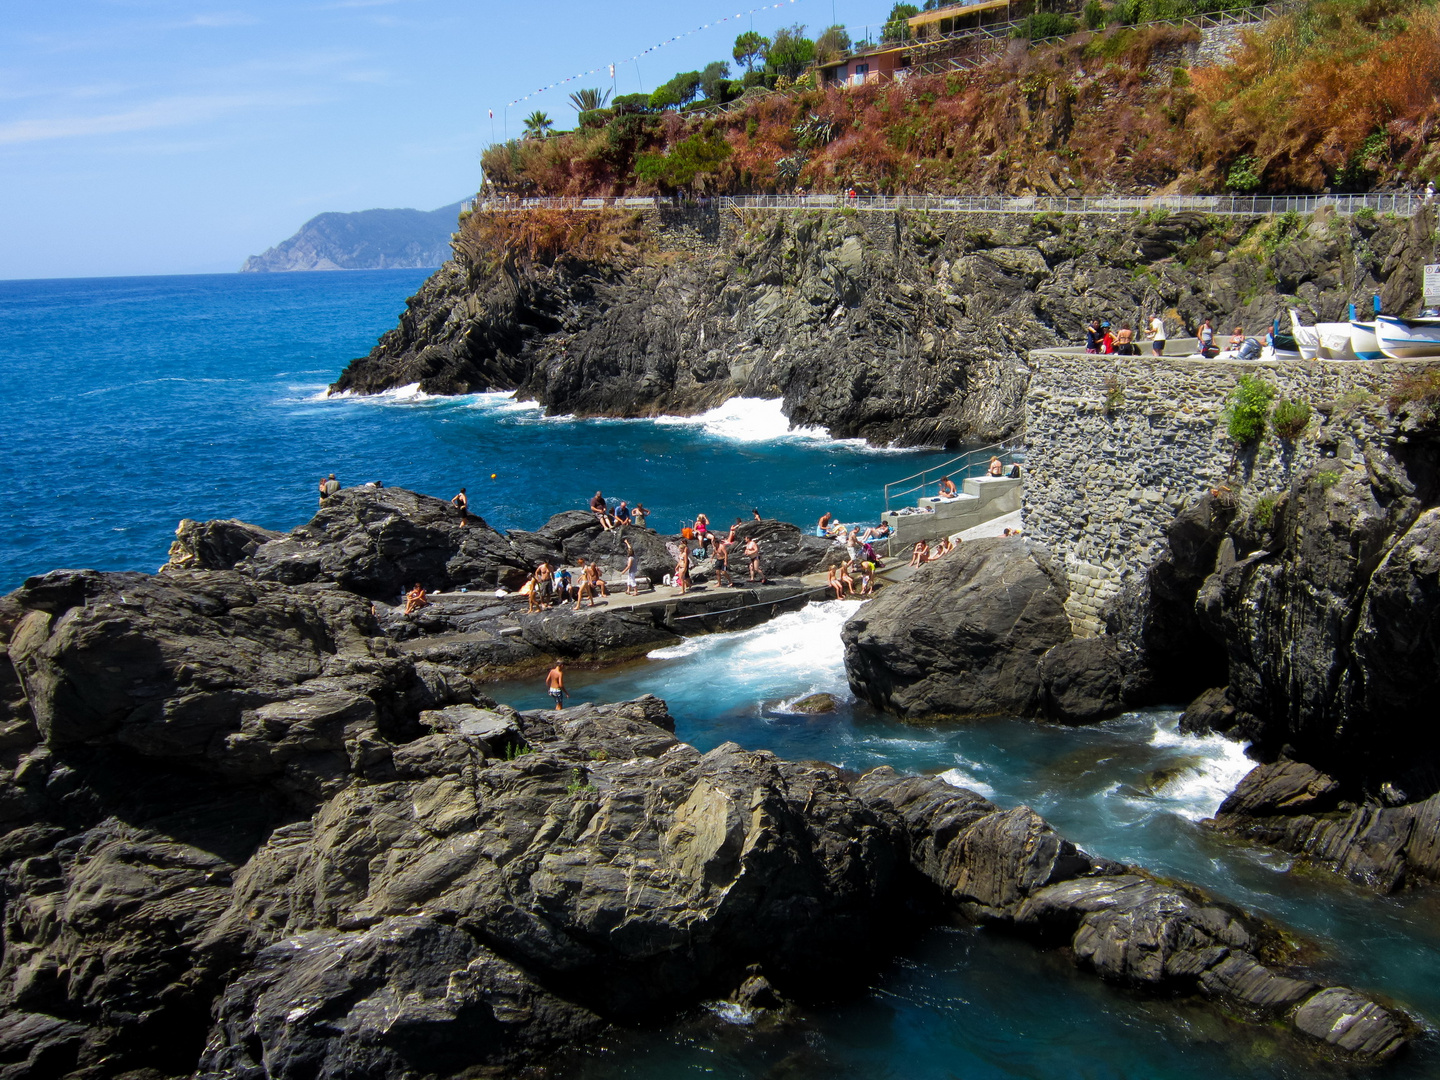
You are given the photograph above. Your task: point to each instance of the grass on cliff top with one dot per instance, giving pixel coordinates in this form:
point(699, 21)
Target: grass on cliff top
point(1342, 93)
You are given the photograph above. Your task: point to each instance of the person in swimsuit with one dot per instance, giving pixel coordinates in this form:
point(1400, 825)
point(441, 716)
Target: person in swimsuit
point(832, 581)
point(722, 562)
point(555, 683)
point(702, 531)
point(586, 590)
point(919, 553)
point(461, 503)
point(631, 589)
point(947, 488)
point(752, 552)
point(682, 569)
point(1237, 339)
point(997, 467)
point(638, 514)
point(824, 523)
point(415, 599)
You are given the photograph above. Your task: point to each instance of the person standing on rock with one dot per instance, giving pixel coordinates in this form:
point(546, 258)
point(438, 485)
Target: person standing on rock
point(461, 503)
point(555, 684)
point(631, 589)
point(752, 552)
point(638, 514)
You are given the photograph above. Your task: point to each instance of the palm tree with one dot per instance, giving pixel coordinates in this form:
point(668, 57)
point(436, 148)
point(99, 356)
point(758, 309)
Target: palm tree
point(589, 98)
point(537, 124)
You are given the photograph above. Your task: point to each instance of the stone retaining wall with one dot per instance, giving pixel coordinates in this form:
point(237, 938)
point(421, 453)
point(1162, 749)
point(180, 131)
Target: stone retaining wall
point(1102, 484)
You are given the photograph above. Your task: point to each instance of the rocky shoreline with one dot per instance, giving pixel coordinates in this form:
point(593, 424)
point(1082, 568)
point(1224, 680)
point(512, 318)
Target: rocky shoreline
point(251, 829)
point(907, 329)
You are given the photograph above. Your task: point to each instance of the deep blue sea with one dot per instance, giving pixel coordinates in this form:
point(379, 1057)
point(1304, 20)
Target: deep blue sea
point(131, 403)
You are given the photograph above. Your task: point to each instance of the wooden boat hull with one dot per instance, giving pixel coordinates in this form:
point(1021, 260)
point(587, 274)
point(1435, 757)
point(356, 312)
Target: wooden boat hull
point(1407, 339)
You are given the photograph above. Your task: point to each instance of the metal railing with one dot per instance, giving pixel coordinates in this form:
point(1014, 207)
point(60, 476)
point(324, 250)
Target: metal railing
point(949, 468)
point(1402, 204)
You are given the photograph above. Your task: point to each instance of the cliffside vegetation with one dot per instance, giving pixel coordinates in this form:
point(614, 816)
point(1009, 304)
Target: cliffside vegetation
point(1339, 94)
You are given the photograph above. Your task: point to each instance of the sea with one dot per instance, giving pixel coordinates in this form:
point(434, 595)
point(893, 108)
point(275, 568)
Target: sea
point(130, 403)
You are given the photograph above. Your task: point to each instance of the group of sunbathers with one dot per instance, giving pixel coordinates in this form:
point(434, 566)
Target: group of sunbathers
point(552, 586)
point(718, 548)
point(841, 578)
point(922, 552)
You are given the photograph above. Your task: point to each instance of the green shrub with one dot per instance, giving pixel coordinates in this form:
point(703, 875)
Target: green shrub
point(578, 784)
point(1416, 388)
point(1264, 512)
point(1328, 478)
point(1290, 418)
point(1094, 15)
point(1045, 24)
point(1365, 216)
point(1242, 177)
point(1246, 408)
point(1114, 395)
point(631, 103)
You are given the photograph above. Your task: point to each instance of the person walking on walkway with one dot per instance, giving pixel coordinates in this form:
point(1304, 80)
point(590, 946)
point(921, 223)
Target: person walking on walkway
point(1157, 334)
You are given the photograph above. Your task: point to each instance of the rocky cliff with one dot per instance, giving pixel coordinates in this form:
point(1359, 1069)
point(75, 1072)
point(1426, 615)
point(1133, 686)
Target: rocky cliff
point(902, 328)
point(363, 240)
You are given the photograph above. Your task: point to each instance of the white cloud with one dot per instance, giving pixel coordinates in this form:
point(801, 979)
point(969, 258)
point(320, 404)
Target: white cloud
point(164, 113)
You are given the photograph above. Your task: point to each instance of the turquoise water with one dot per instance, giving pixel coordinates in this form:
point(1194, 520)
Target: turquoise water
point(130, 403)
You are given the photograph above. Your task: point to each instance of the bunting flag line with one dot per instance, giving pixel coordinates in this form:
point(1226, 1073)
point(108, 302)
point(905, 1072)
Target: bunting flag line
point(652, 48)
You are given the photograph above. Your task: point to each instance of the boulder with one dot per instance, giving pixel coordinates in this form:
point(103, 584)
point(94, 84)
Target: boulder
point(378, 542)
point(1083, 680)
point(963, 637)
point(1210, 712)
point(215, 545)
point(785, 550)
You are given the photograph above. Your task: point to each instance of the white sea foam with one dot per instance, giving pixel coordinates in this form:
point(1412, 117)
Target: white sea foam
point(751, 420)
point(798, 648)
point(1195, 791)
point(960, 778)
point(732, 1012)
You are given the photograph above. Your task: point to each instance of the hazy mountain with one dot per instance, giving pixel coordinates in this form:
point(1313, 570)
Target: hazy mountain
point(365, 240)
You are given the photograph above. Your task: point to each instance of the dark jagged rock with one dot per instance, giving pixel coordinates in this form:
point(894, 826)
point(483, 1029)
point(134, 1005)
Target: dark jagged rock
point(1210, 712)
point(1282, 787)
point(1172, 655)
point(577, 534)
point(1009, 867)
point(906, 329)
point(963, 637)
point(1082, 680)
point(244, 836)
point(378, 542)
point(785, 550)
point(215, 545)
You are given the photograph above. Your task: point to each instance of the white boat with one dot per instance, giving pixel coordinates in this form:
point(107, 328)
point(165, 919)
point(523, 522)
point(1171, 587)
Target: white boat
point(1307, 338)
point(1364, 342)
point(1404, 339)
point(1334, 341)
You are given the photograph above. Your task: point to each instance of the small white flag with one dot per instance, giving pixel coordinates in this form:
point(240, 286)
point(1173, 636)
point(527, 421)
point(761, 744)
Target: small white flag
point(612, 71)
point(492, 114)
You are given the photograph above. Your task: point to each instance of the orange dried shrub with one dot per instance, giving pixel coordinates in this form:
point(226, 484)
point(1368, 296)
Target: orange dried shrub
point(1303, 96)
point(489, 241)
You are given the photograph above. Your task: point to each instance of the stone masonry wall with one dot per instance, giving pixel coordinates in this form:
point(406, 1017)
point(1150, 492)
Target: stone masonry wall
point(1101, 486)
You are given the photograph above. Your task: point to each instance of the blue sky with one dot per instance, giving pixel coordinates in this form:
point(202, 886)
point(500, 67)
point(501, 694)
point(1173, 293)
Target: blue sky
point(161, 137)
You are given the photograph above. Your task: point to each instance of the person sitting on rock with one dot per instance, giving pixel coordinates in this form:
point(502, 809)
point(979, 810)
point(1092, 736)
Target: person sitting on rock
point(562, 585)
point(329, 486)
point(948, 490)
point(602, 512)
point(847, 580)
point(702, 531)
point(919, 553)
point(997, 467)
point(832, 581)
point(415, 599)
point(823, 525)
point(622, 513)
point(1237, 339)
